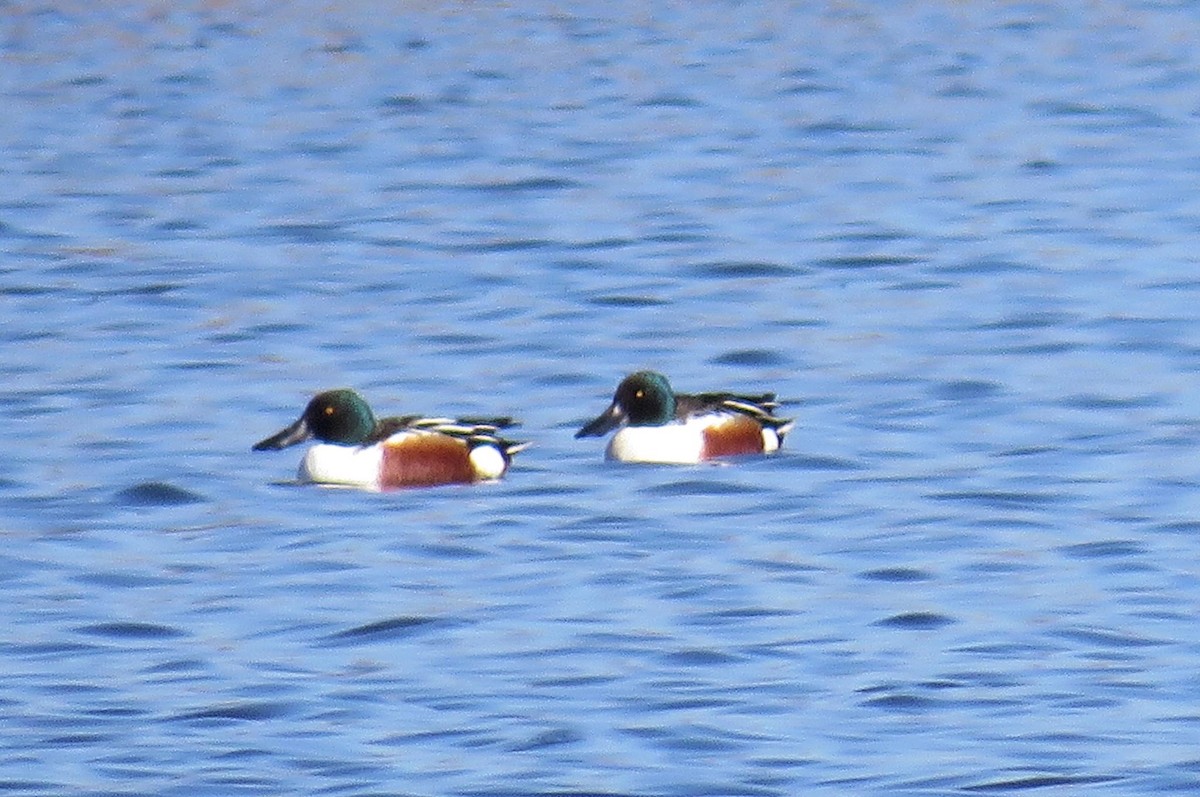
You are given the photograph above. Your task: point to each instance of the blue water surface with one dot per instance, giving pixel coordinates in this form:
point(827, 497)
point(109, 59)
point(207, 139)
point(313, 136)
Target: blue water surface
point(957, 238)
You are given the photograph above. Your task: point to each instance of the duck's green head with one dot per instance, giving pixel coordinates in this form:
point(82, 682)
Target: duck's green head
point(334, 416)
point(644, 398)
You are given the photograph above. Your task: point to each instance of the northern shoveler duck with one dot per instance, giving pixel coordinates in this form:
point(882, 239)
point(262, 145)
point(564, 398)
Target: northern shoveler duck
point(410, 451)
point(660, 425)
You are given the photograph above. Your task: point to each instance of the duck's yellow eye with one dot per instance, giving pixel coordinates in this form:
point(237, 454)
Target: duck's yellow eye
point(330, 410)
point(640, 394)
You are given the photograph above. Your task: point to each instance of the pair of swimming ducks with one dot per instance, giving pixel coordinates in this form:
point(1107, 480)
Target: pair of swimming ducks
point(653, 422)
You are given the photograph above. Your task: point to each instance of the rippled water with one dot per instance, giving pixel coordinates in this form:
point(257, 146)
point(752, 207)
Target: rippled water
point(956, 238)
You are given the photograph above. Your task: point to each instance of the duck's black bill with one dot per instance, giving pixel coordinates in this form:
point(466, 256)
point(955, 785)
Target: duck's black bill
point(298, 432)
point(608, 420)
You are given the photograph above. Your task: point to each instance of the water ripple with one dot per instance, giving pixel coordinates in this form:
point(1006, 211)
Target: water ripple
point(627, 300)
point(382, 630)
point(129, 630)
point(743, 269)
point(1040, 782)
point(1106, 638)
point(247, 710)
point(1104, 549)
point(1000, 499)
point(693, 488)
point(896, 574)
point(916, 621)
point(903, 703)
point(698, 658)
point(554, 737)
point(966, 390)
point(157, 494)
point(751, 358)
point(865, 261)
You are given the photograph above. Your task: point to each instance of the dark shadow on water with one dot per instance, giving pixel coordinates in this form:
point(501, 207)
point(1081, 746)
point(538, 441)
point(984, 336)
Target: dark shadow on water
point(916, 621)
point(896, 574)
point(735, 269)
point(751, 358)
point(132, 631)
point(383, 630)
point(249, 710)
point(157, 494)
point(1038, 782)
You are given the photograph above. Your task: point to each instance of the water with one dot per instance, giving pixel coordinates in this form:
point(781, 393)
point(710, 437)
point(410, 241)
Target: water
point(957, 239)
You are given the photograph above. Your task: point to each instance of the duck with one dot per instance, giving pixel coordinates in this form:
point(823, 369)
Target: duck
point(657, 425)
point(355, 449)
